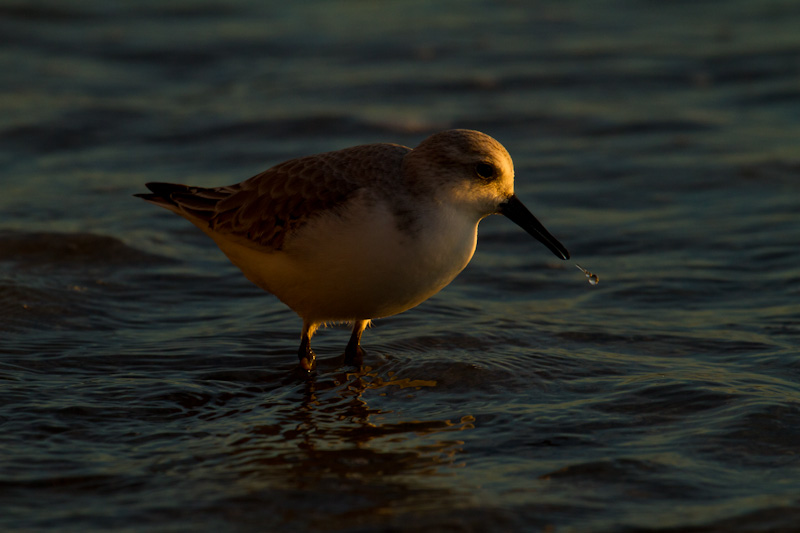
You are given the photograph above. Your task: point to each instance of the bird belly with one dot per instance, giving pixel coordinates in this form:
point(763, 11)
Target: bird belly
point(357, 264)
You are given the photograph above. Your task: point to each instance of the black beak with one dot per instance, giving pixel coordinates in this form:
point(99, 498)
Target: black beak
point(519, 214)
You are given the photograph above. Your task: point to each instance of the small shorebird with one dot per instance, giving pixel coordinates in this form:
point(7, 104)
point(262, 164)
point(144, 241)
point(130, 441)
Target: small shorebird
point(360, 233)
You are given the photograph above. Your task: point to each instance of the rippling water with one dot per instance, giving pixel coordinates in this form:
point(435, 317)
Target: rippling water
point(146, 385)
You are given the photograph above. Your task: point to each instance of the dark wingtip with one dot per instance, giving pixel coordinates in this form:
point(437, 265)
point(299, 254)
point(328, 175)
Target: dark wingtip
point(165, 189)
point(161, 193)
point(145, 196)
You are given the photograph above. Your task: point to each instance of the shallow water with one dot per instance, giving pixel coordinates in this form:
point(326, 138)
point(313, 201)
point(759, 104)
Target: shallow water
point(146, 385)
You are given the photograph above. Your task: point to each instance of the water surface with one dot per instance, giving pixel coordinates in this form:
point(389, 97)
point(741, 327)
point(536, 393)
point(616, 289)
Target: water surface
point(146, 385)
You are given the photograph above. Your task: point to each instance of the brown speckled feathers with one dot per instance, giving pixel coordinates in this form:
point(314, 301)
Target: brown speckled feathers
point(266, 208)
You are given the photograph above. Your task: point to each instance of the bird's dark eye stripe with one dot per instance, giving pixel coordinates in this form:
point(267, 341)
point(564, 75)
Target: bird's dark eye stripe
point(485, 170)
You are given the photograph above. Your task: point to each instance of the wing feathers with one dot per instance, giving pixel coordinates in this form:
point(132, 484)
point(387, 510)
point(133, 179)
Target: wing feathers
point(265, 209)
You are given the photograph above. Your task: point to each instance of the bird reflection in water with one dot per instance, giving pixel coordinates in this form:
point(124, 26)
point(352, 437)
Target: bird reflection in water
point(335, 439)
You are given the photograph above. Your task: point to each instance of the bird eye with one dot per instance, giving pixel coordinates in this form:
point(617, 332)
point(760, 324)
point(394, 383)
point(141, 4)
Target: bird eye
point(485, 170)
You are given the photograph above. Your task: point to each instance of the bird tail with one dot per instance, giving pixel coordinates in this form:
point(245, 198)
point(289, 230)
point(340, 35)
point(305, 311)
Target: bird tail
point(162, 193)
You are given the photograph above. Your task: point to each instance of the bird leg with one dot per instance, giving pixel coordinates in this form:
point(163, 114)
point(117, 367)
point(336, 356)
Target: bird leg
point(354, 354)
point(305, 353)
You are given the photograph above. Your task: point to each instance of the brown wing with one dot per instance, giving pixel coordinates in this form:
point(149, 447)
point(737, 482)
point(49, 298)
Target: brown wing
point(268, 207)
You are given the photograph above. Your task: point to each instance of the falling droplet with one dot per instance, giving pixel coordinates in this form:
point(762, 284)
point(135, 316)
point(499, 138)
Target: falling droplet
point(593, 279)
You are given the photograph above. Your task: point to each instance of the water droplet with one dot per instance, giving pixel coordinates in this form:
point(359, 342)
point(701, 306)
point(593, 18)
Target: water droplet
point(593, 278)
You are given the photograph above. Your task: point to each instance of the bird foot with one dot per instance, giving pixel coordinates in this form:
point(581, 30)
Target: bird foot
point(354, 355)
point(308, 364)
point(308, 360)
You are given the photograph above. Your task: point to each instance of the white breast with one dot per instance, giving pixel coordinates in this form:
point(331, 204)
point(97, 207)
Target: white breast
point(357, 264)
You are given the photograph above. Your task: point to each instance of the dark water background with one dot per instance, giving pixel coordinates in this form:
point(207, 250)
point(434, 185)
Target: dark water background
point(146, 385)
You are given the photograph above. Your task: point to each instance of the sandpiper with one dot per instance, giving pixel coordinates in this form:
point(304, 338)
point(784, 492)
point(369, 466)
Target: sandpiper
point(360, 233)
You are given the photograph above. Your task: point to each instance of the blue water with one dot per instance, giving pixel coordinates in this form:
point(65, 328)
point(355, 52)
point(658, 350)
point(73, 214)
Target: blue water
point(146, 385)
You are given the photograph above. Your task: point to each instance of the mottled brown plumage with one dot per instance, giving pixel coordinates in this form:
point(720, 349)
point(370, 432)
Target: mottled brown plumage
point(266, 208)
